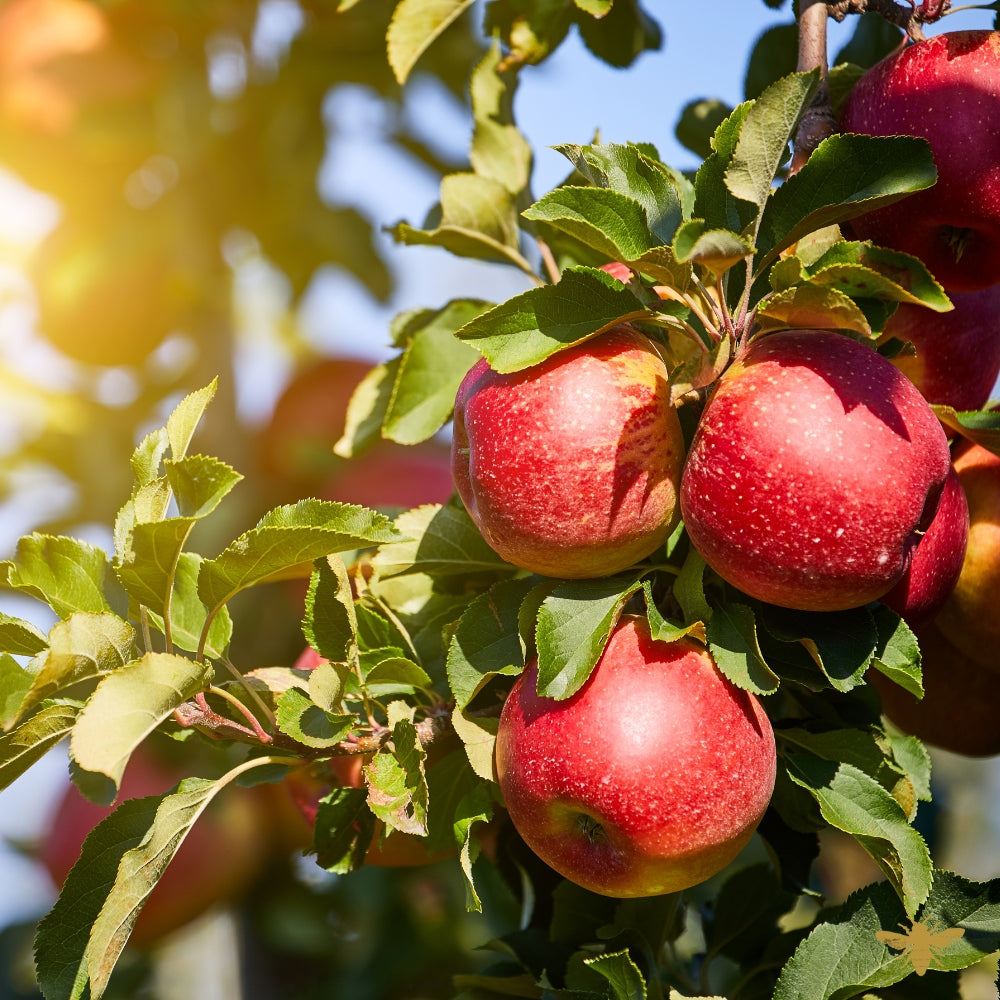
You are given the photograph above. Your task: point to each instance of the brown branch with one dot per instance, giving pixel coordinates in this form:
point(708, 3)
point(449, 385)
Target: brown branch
point(818, 121)
point(910, 18)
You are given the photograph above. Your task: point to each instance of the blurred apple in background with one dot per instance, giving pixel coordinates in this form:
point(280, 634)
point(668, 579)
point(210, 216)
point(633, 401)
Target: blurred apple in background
point(958, 711)
point(295, 448)
point(957, 358)
point(969, 617)
point(218, 860)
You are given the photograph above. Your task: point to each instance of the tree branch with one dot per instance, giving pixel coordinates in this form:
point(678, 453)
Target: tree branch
point(818, 121)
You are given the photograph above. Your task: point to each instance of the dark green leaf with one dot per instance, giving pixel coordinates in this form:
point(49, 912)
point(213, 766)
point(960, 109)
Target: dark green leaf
point(697, 125)
point(330, 624)
point(487, 642)
point(732, 641)
point(299, 717)
point(846, 176)
point(531, 326)
point(897, 655)
point(574, 623)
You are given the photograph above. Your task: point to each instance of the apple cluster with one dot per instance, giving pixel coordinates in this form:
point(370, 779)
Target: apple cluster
point(817, 478)
point(947, 90)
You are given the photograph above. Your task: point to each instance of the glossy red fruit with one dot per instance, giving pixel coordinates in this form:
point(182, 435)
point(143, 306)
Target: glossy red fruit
point(957, 358)
point(815, 467)
point(937, 559)
point(649, 779)
point(945, 89)
point(570, 468)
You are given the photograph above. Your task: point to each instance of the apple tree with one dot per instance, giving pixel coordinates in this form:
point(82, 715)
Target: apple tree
point(623, 708)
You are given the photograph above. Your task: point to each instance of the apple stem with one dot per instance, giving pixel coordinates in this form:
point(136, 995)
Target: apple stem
point(549, 260)
point(818, 121)
point(258, 730)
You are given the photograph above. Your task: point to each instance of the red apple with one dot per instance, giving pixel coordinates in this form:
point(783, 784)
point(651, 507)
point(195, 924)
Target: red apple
point(295, 447)
point(947, 90)
point(570, 468)
point(958, 711)
point(814, 469)
point(649, 779)
point(937, 559)
point(969, 616)
point(217, 861)
point(957, 358)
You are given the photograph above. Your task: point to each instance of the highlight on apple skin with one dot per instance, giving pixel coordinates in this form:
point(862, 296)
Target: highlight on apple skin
point(570, 468)
point(814, 468)
point(649, 779)
point(945, 89)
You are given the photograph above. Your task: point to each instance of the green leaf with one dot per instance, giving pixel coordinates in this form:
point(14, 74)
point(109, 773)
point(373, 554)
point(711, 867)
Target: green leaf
point(841, 645)
point(770, 124)
point(330, 624)
point(67, 574)
point(897, 655)
point(982, 427)
point(697, 124)
point(19, 637)
point(147, 566)
point(397, 787)
point(22, 747)
point(487, 642)
point(147, 459)
point(478, 220)
point(475, 806)
point(608, 222)
point(498, 149)
point(846, 176)
point(862, 270)
point(622, 973)
point(127, 706)
point(285, 537)
point(812, 307)
point(716, 249)
point(14, 684)
point(302, 719)
point(122, 860)
point(852, 801)
point(442, 541)
point(343, 830)
point(713, 200)
point(62, 938)
point(732, 641)
point(395, 674)
point(415, 25)
point(84, 647)
point(663, 630)
point(366, 410)
point(628, 171)
point(689, 588)
point(430, 371)
point(843, 956)
point(188, 614)
point(574, 624)
point(529, 327)
point(184, 420)
point(199, 483)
